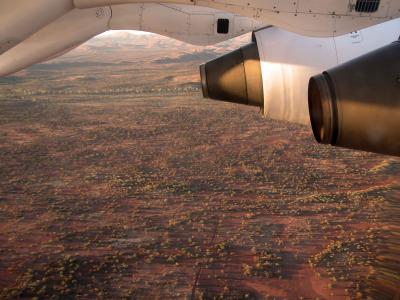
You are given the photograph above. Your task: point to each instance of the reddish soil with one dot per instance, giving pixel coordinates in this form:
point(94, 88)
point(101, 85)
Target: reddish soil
point(168, 198)
point(108, 192)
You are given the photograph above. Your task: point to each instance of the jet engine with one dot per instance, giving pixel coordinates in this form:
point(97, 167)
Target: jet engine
point(355, 104)
point(234, 77)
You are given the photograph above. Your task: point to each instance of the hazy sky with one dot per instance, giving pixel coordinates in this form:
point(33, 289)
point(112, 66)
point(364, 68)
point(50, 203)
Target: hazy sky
point(110, 32)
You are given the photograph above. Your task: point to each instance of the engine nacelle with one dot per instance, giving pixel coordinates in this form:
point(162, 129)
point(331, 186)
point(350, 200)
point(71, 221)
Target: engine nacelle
point(357, 104)
point(287, 62)
point(235, 77)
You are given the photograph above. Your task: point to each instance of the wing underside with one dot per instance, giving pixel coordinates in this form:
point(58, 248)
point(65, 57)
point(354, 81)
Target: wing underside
point(34, 31)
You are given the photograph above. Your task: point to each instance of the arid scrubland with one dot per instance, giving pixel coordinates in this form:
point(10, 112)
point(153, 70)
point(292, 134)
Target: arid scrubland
point(117, 180)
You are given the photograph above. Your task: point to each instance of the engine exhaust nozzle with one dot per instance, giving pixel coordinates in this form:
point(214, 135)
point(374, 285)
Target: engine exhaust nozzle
point(357, 104)
point(234, 77)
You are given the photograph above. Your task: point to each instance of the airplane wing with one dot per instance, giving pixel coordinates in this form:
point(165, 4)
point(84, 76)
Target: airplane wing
point(19, 47)
point(50, 27)
point(307, 17)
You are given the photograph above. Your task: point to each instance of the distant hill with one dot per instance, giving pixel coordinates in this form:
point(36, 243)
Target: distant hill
point(124, 39)
point(123, 59)
point(131, 46)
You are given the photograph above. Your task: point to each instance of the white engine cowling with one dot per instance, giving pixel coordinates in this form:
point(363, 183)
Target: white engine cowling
point(289, 60)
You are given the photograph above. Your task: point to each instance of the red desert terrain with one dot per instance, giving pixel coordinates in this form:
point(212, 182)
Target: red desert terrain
point(118, 181)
